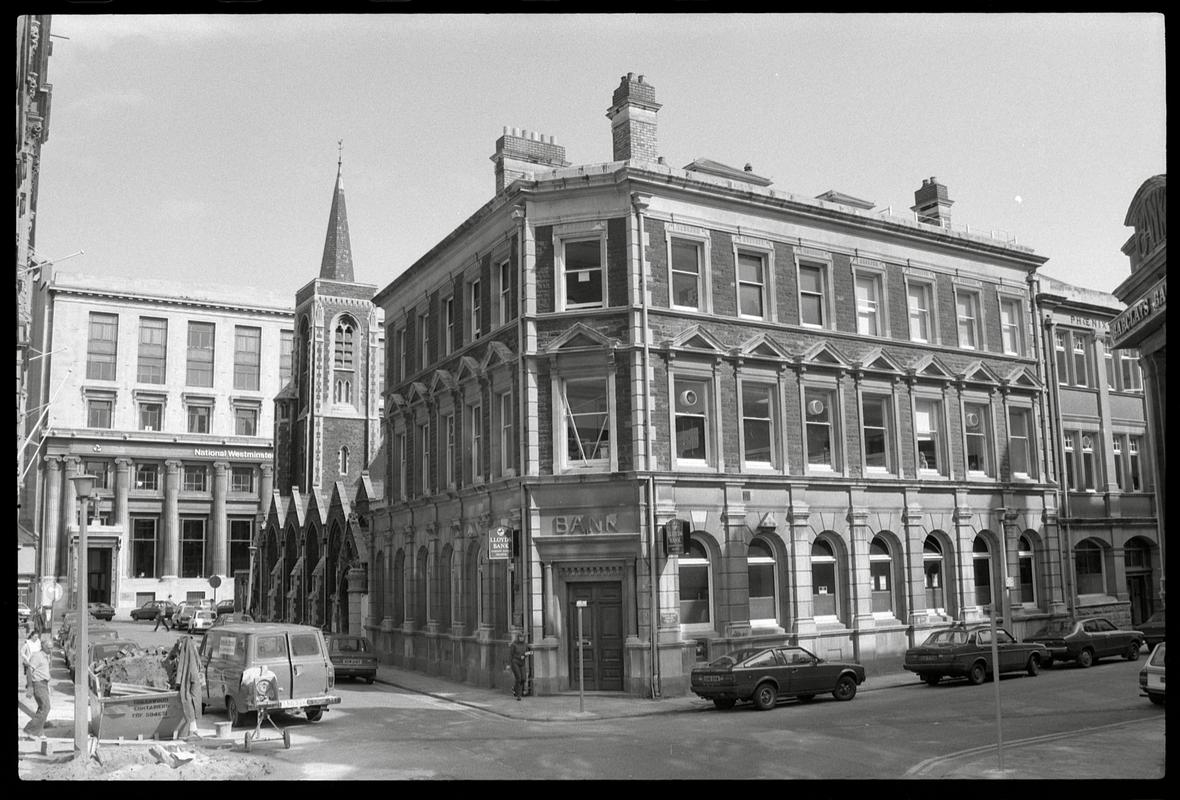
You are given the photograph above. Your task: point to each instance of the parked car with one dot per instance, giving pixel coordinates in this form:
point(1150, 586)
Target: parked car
point(225, 607)
point(282, 665)
point(201, 620)
point(965, 651)
point(102, 611)
point(148, 610)
point(104, 648)
point(1086, 640)
point(1153, 629)
point(352, 656)
point(23, 612)
point(1151, 677)
point(764, 675)
point(234, 616)
point(93, 634)
point(184, 612)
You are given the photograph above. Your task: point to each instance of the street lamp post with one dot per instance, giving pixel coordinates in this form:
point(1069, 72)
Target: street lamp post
point(83, 486)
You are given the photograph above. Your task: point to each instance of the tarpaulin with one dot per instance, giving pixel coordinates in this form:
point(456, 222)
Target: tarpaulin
point(188, 680)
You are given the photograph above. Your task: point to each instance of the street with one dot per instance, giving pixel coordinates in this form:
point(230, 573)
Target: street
point(381, 732)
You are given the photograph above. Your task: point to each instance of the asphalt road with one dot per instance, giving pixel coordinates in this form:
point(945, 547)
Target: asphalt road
point(381, 732)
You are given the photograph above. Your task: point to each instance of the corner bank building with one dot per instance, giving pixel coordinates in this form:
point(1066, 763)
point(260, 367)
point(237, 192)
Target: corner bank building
point(670, 411)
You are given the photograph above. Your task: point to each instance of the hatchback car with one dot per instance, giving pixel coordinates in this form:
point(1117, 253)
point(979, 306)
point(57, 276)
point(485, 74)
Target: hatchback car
point(1086, 640)
point(225, 607)
point(1153, 629)
point(965, 651)
point(352, 656)
point(184, 613)
point(201, 620)
point(102, 611)
point(148, 610)
point(766, 674)
point(1151, 677)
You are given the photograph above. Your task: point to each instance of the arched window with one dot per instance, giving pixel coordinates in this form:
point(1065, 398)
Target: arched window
point(396, 600)
point(1089, 567)
point(343, 360)
point(981, 563)
point(1025, 557)
point(446, 585)
point(422, 588)
point(342, 460)
point(932, 567)
point(379, 599)
point(694, 583)
point(762, 577)
point(824, 590)
point(881, 575)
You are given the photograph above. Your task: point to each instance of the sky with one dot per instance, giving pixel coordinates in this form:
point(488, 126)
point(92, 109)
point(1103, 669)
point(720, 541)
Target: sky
point(204, 147)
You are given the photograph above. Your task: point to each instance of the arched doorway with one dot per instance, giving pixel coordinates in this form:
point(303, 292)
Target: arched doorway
point(1137, 562)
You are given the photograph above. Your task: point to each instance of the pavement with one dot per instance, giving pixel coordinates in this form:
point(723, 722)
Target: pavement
point(1135, 747)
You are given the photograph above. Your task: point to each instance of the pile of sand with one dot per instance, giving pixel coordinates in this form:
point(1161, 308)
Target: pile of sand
point(137, 763)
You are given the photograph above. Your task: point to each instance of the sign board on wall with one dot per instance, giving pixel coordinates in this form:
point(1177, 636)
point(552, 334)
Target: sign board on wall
point(499, 543)
point(674, 537)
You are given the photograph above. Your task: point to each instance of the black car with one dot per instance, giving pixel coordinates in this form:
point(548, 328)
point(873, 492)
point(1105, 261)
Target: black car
point(225, 607)
point(352, 656)
point(965, 651)
point(1086, 640)
point(766, 674)
point(1152, 629)
point(104, 611)
point(148, 610)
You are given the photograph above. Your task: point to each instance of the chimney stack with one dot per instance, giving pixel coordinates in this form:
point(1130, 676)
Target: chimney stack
point(632, 116)
point(520, 153)
point(931, 203)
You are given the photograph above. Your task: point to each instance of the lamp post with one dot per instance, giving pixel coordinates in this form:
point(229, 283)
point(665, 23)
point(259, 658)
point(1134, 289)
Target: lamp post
point(83, 487)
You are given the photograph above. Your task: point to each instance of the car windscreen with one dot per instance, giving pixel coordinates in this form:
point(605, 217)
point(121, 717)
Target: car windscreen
point(350, 645)
point(947, 637)
point(1058, 627)
point(736, 657)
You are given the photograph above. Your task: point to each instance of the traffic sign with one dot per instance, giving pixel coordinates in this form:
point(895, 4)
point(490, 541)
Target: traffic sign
point(215, 581)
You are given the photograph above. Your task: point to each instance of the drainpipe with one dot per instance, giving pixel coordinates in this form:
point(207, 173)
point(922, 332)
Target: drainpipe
point(640, 203)
point(1055, 448)
point(519, 216)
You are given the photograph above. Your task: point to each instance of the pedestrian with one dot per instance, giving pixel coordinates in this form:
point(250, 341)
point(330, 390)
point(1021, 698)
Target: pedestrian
point(38, 685)
point(161, 619)
point(517, 653)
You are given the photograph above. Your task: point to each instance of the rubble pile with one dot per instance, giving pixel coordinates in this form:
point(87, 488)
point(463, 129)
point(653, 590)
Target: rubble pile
point(138, 666)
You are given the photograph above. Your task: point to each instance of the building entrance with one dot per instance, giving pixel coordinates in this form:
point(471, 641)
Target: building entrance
point(1139, 593)
point(98, 583)
point(602, 628)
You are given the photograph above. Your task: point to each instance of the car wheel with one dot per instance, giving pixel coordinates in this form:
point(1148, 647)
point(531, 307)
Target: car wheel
point(806, 698)
point(724, 703)
point(1085, 658)
point(315, 713)
point(765, 696)
point(1034, 666)
point(845, 688)
point(978, 673)
point(1132, 653)
point(369, 680)
point(231, 711)
point(931, 680)
point(1158, 699)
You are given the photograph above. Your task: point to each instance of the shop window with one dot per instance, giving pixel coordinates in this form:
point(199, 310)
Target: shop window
point(824, 588)
point(1026, 563)
point(981, 564)
point(695, 581)
point(881, 575)
point(763, 592)
point(1089, 568)
point(932, 568)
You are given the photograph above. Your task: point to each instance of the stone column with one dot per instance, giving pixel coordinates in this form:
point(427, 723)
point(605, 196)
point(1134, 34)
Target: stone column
point(915, 570)
point(1049, 563)
point(799, 515)
point(122, 487)
point(170, 567)
point(733, 603)
point(51, 519)
point(860, 582)
point(219, 564)
point(458, 580)
point(965, 565)
point(69, 506)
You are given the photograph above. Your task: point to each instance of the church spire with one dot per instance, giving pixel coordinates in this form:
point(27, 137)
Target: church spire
point(337, 263)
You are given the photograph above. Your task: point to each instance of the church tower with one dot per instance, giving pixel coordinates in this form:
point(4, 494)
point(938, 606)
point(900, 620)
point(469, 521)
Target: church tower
point(328, 418)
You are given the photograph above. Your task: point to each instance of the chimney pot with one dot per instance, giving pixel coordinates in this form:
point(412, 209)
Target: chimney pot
point(748, 167)
point(641, 79)
point(630, 76)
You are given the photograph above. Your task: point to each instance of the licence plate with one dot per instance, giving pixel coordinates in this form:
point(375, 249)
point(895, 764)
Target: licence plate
point(710, 679)
point(350, 662)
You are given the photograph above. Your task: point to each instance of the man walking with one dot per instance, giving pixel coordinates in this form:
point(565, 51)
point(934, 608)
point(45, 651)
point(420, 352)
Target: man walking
point(161, 619)
point(38, 680)
point(517, 654)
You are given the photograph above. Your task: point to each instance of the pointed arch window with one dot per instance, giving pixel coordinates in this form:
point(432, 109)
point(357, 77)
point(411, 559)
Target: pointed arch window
point(342, 460)
point(343, 360)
